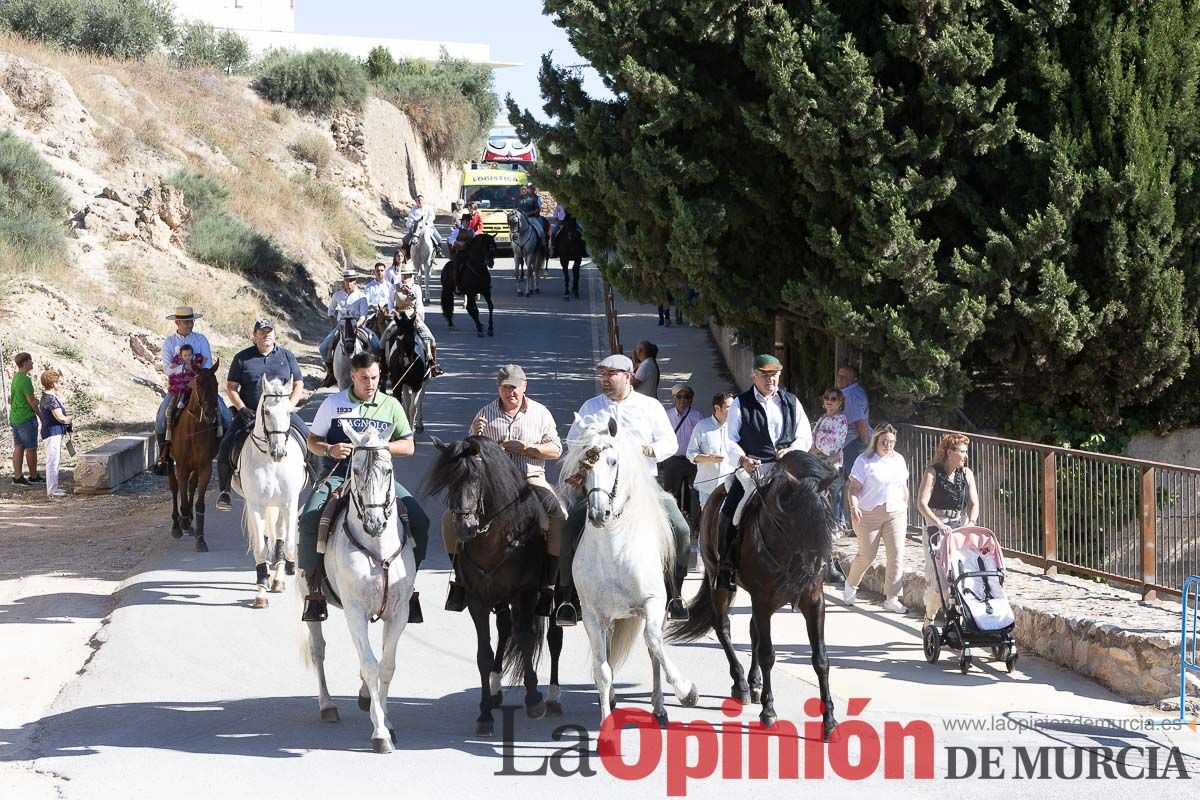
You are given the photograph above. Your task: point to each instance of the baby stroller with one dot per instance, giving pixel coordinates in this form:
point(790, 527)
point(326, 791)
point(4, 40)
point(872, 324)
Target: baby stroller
point(969, 569)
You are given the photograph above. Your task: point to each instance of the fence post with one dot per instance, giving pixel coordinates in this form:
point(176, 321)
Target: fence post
point(1149, 528)
point(781, 351)
point(1049, 512)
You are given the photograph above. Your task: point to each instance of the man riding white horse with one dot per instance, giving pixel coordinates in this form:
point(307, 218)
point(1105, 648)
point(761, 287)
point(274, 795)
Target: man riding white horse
point(407, 295)
point(327, 438)
point(418, 213)
point(243, 388)
point(765, 422)
point(644, 419)
point(173, 366)
point(530, 205)
point(526, 431)
point(348, 302)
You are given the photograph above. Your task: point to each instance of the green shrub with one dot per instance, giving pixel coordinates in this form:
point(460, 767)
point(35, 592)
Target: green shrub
point(55, 22)
point(125, 29)
point(216, 237)
point(320, 81)
point(313, 148)
point(199, 45)
point(32, 208)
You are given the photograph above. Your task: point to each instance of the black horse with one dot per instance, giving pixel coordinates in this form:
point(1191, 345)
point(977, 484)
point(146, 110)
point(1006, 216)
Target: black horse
point(468, 273)
point(404, 368)
point(498, 523)
point(786, 540)
point(570, 247)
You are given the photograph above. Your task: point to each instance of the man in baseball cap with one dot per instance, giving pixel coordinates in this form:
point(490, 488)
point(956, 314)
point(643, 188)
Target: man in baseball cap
point(646, 420)
point(526, 430)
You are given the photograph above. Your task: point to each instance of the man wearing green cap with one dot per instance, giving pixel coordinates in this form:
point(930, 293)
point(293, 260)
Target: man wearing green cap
point(765, 422)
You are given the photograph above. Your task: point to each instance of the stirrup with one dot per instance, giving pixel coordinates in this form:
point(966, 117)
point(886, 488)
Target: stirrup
point(567, 616)
point(726, 580)
point(415, 617)
point(224, 502)
point(676, 610)
point(316, 609)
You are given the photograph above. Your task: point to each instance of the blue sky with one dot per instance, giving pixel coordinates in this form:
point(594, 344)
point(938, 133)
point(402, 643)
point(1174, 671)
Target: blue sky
point(516, 30)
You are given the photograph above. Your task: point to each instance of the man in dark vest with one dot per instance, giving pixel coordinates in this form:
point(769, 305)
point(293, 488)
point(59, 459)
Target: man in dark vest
point(765, 422)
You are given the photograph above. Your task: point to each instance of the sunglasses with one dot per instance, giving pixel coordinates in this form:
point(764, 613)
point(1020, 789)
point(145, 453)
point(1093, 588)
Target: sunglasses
point(830, 399)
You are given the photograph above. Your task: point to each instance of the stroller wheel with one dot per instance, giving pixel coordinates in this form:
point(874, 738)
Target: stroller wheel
point(1011, 662)
point(1000, 652)
point(932, 642)
point(964, 663)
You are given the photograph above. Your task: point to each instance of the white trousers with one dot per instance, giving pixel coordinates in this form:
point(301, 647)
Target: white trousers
point(53, 456)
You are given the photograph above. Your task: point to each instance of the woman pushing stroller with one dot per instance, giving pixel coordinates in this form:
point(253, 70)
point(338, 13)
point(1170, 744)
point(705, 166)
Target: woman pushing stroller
point(948, 499)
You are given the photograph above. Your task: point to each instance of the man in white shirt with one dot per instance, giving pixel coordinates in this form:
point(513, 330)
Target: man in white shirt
point(765, 423)
point(418, 213)
point(407, 295)
point(379, 292)
point(678, 471)
point(708, 448)
point(348, 302)
point(645, 365)
point(646, 421)
point(185, 333)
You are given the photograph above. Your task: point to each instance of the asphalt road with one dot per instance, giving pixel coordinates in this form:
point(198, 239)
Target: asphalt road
point(191, 693)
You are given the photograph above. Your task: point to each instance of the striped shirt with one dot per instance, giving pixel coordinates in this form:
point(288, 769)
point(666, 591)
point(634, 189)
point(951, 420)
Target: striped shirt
point(532, 424)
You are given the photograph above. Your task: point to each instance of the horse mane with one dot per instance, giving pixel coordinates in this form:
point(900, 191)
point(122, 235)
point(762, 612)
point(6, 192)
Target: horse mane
point(501, 479)
point(640, 504)
point(791, 500)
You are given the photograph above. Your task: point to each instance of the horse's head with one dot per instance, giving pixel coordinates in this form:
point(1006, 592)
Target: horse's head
point(204, 393)
point(596, 457)
point(274, 416)
point(480, 481)
point(516, 220)
point(371, 494)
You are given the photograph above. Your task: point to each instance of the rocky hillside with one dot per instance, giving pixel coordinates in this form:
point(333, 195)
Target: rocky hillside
point(324, 190)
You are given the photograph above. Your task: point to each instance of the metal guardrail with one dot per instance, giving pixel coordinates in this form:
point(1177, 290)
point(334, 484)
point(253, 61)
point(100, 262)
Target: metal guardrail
point(1119, 519)
point(1190, 611)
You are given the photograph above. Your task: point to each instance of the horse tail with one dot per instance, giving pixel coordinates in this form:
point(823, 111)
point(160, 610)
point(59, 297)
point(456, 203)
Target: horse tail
point(625, 633)
point(702, 617)
point(522, 646)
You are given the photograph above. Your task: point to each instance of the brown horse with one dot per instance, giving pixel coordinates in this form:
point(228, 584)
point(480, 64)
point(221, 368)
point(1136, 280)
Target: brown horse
point(194, 444)
point(786, 538)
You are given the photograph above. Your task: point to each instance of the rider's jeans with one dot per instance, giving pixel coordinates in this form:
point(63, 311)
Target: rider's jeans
point(310, 521)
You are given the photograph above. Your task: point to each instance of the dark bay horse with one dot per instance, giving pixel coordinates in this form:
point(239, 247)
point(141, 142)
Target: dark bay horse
point(405, 366)
point(194, 444)
point(570, 248)
point(498, 521)
point(786, 538)
point(468, 273)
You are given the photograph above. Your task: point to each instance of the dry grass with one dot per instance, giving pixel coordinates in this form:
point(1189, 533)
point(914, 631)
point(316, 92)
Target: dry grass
point(313, 148)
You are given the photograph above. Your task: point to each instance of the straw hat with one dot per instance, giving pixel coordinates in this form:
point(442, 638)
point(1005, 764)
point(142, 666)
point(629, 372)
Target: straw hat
point(184, 312)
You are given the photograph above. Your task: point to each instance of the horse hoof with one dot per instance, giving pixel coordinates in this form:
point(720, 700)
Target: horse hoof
point(276, 587)
point(364, 703)
point(380, 745)
point(767, 720)
point(485, 728)
point(497, 699)
point(566, 295)
point(537, 710)
point(201, 545)
point(329, 714)
point(176, 532)
point(479, 334)
point(420, 426)
point(741, 696)
point(831, 731)
point(490, 333)
point(261, 602)
point(289, 568)
point(756, 695)
point(661, 718)
point(612, 699)
point(692, 698)
point(553, 709)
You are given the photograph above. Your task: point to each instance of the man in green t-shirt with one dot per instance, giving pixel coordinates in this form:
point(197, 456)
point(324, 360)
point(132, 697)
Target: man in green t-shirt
point(22, 416)
point(327, 439)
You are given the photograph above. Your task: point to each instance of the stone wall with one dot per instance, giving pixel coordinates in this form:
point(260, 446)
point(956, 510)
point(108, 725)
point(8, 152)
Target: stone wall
point(738, 358)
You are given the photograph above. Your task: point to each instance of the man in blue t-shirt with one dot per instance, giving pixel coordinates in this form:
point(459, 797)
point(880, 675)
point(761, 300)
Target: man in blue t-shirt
point(242, 388)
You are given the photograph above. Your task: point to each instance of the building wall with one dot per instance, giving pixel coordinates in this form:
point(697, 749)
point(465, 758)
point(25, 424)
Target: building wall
point(361, 46)
point(240, 15)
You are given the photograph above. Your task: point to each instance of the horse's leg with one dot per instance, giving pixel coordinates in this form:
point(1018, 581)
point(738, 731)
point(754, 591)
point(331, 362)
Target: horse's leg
point(554, 637)
point(356, 621)
point(519, 268)
point(316, 649)
point(566, 270)
point(256, 524)
point(602, 674)
point(685, 690)
point(503, 634)
point(658, 708)
point(183, 474)
point(527, 638)
point(473, 310)
point(419, 409)
point(393, 626)
point(740, 690)
point(766, 659)
point(487, 295)
point(173, 483)
point(575, 272)
point(201, 488)
point(278, 536)
point(755, 674)
point(812, 603)
point(481, 616)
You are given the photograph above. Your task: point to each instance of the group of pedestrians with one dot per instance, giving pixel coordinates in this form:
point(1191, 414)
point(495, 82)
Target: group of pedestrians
point(32, 418)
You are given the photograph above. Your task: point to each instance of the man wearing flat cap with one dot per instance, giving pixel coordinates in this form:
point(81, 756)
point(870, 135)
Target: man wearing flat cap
point(645, 420)
point(765, 422)
point(526, 430)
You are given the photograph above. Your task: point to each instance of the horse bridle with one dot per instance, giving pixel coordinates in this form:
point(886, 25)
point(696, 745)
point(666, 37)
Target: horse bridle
point(589, 460)
point(387, 505)
point(484, 527)
point(360, 507)
point(267, 433)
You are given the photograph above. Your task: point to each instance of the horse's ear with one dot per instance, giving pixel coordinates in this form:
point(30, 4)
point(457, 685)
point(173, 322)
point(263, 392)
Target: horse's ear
point(824, 484)
point(353, 435)
point(474, 445)
point(438, 443)
point(612, 426)
point(216, 364)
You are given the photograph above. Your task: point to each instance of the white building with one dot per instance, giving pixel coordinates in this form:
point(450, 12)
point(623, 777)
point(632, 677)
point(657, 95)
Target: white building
point(272, 23)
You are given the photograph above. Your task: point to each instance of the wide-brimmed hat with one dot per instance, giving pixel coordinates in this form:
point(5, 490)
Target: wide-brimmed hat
point(350, 275)
point(682, 388)
point(184, 312)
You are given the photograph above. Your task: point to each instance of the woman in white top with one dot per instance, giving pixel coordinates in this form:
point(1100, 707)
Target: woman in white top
point(879, 510)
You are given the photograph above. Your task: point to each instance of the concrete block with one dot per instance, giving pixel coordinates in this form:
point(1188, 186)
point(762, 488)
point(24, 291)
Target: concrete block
point(109, 465)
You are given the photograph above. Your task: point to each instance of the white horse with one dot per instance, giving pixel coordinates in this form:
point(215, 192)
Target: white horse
point(421, 251)
point(371, 569)
point(270, 476)
point(527, 254)
point(346, 347)
point(620, 560)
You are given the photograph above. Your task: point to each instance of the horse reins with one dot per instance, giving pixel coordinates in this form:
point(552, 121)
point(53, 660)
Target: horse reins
point(267, 433)
point(384, 563)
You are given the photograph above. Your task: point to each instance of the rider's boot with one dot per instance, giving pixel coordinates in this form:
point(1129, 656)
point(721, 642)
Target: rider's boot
point(315, 607)
point(435, 369)
point(456, 599)
point(676, 609)
point(415, 617)
point(164, 454)
point(545, 601)
point(726, 580)
point(330, 378)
